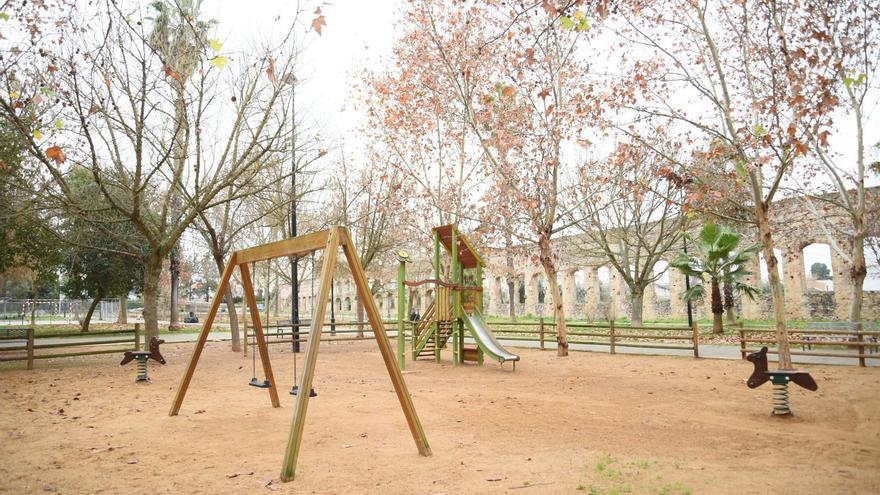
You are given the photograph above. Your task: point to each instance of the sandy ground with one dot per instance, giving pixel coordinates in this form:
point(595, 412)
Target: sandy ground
point(590, 423)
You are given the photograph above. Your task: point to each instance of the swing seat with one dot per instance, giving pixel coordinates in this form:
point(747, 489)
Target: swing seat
point(295, 391)
point(259, 384)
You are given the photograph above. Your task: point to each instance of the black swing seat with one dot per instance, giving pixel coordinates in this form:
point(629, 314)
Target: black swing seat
point(259, 384)
point(295, 391)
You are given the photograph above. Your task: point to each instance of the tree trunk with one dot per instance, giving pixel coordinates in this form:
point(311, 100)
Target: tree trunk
point(637, 299)
point(546, 255)
point(717, 308)
point(122, 316)
point(84, 324)
point(174, 261)
point(766, 239)
point(729, 303)
point(857, 273)
point(152, 273)
point(33, 303)
point(230, 302)
point(511, 293)
point(277, 296)
point(180, 152)
point(233, 319)
point(360, 318)
point(511, 276)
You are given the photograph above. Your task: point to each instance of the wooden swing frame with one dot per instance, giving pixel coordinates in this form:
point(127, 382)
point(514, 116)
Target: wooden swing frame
point(330, 241)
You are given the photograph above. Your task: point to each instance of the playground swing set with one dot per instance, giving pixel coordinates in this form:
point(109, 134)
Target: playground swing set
point(256, 382)
point(329, 241)
point(456, 309)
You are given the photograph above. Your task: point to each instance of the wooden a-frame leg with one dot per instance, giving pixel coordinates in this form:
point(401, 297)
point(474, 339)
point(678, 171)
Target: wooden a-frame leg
point(258, 333)
point(203, 337)
point(363, 288)
point(294, 439)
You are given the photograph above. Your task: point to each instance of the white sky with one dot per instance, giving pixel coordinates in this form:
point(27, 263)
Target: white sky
point(357, 32)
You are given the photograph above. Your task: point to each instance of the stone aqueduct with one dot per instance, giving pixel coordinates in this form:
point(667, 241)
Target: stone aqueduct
point(599, 292)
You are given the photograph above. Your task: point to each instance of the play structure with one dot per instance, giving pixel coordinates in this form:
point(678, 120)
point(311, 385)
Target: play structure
point(329, 241)
point(456, 309)
point(780, 379)
point(142, 357)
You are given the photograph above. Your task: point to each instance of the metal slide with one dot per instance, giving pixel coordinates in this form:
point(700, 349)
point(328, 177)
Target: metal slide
point(486, 340)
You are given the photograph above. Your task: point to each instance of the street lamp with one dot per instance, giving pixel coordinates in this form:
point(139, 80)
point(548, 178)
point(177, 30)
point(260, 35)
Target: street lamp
point(687, 287)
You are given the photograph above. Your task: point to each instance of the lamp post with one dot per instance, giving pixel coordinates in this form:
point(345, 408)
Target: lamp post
point(687, 287)
point(294, 261)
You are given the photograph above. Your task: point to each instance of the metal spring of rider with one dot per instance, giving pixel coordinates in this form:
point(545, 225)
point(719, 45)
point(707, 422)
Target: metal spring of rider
point(142, 370)
point(780, 399)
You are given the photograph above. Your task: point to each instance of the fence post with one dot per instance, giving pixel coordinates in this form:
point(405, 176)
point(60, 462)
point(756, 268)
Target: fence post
point(541, 331)
point(742, 340)
point(137, 336)
point(861, 340)
point(696, 331)
point(30, 348)
point(611, 333)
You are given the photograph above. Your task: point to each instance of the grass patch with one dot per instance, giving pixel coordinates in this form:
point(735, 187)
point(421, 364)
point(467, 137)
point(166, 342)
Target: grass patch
point(607, 475)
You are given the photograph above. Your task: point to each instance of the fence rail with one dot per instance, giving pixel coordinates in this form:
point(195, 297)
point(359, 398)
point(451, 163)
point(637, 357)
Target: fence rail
point(303, 336)
point(865, 343)
point(610, 334)
point(29, 342)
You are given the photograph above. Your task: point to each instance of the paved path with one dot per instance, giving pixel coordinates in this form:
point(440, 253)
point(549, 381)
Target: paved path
point(706, 350)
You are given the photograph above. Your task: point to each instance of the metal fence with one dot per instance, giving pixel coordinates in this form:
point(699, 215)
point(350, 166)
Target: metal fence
point(47, 311)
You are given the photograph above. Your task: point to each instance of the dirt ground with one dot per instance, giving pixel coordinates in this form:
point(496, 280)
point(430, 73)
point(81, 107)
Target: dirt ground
point(589, 423)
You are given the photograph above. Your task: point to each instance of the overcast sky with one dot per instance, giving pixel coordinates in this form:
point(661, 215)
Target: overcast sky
point(359, 34)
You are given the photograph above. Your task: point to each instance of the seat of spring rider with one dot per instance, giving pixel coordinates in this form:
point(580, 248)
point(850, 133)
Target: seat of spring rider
point(761, 374)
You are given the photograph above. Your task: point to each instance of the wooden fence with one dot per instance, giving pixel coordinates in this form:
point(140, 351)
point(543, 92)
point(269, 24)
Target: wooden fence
point(609, 334)
point(283, 333)
point(840, 343)
point(26, 345)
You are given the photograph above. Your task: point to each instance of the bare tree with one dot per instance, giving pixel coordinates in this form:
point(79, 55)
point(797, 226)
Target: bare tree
point(115, 108)
point(850, 32)
point(752, 79)
point(631, 216)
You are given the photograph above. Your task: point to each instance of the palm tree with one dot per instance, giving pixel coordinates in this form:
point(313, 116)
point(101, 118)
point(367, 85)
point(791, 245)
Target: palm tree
point(716, 259)
point(178, 38)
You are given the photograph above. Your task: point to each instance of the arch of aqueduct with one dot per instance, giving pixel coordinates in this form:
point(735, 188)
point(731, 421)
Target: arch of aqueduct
point(587, 297)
